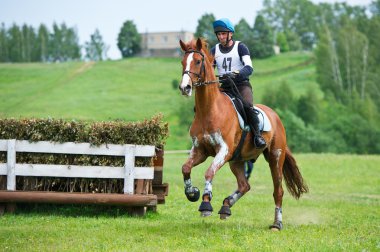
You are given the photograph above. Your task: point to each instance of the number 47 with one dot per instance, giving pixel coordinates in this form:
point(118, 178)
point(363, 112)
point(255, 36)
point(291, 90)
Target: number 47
point(225, 67)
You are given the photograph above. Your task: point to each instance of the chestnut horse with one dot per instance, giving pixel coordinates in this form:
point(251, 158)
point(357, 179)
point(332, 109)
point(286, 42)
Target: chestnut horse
point(216, 132)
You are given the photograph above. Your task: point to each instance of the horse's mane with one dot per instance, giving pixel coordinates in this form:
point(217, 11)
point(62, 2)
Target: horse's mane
point(205, 48)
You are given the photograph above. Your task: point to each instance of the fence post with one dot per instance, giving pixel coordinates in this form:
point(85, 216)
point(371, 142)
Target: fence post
point(129, 169)
point(11, 163)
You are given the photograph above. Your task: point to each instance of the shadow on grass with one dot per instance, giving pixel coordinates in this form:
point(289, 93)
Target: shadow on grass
point(73, 210)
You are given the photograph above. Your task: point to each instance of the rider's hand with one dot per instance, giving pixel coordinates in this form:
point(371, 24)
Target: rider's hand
point(232, 75)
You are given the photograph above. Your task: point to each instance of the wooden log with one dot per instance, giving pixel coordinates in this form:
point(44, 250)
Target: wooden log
point(158, 163)
point(78, 198)
point(2, 209)
point(161, 191)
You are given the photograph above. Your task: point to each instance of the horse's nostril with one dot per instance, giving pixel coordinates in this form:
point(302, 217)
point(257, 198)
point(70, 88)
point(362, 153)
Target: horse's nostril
point(188, 87)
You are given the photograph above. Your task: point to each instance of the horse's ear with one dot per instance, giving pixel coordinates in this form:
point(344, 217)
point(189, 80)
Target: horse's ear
point(183, 46)
point(199, 44)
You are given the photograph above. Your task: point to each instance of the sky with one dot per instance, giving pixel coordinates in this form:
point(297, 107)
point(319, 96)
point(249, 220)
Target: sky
point(108, 16)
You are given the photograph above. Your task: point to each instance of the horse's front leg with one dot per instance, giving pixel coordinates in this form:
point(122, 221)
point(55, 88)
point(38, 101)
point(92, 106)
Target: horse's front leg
point(237, 168)
point(196, 157)
point(220, 159)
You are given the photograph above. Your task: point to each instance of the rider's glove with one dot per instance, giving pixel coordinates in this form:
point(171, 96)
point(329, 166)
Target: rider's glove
point(232, 75)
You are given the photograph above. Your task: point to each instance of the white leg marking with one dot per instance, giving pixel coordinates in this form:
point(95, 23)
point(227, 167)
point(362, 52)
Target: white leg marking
point(208, 188)
point(278, 214)
point(277, 152)
point(217, 139)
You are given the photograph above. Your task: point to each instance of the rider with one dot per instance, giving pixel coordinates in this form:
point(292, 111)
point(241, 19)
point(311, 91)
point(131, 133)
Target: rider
point(232, 58)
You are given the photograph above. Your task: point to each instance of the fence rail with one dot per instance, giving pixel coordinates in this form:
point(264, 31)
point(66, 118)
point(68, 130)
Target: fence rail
point(128, 172)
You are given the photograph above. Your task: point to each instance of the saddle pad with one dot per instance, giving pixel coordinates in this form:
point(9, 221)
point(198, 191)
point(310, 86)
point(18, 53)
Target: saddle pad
point(264, 124)
point(264, 120)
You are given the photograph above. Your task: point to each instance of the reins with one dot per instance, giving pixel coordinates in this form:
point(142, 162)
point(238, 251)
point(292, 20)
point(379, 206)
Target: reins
point(199, 75)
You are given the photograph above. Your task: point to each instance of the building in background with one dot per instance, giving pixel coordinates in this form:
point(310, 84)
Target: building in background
point(163, 44)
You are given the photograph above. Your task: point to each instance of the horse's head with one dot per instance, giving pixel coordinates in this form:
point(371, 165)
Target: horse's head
point(193, 65)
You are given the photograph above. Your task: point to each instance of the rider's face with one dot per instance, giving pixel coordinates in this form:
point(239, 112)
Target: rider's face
point(223, 36)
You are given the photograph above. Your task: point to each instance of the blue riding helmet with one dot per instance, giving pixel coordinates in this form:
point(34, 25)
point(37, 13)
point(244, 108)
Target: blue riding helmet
point(223, 24)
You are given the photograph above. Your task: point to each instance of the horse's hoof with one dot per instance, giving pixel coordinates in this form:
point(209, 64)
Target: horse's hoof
point(224, 216)
point(194, 195)
point(277, 226)
point(205, 208)
point(206, 213)
point(274, 229)
point(224, 212)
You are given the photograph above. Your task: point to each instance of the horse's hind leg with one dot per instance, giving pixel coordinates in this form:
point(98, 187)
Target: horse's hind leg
point(276, 159)
point(196, 157)
point(237, 169)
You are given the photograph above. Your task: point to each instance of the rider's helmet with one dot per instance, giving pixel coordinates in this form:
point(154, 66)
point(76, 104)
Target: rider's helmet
point(223, 24)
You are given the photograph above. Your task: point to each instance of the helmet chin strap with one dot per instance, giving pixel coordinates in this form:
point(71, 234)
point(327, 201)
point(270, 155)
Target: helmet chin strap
point(228, 39)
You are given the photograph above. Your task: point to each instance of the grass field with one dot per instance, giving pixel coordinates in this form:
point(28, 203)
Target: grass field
point(341, 213)
point(132, 89)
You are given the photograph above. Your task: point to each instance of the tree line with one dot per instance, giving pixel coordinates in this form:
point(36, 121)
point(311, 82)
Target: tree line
point(60, 43)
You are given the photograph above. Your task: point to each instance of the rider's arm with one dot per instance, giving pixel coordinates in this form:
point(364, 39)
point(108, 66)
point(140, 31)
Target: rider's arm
point(245, 57)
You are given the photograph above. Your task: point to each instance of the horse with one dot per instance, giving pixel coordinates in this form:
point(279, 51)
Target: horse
point(215, 131)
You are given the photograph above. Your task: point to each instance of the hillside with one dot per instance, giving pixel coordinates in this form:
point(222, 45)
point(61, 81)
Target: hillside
point(131, 89)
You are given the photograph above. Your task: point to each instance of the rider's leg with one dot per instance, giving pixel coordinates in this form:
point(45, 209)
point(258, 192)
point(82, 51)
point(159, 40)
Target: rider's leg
point(246, 93)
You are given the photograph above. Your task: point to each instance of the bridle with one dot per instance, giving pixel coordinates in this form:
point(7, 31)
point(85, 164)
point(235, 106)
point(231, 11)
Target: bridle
point(199, 81)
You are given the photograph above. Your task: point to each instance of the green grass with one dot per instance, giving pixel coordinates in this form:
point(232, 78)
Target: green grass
point(132, 89)
point(341, 213)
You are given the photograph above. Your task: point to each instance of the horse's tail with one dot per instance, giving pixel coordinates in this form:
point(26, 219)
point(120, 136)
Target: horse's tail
point(293, 178)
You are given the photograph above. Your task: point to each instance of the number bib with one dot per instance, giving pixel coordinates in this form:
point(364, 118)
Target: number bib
point(228, 62)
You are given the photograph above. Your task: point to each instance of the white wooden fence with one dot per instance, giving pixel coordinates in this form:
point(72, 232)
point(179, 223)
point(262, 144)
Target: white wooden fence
point(129, 172)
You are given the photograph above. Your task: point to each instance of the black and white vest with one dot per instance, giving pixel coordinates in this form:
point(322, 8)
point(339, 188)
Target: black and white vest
point(228, 62)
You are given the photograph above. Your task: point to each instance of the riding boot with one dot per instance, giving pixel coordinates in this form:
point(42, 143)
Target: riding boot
point(257, 138)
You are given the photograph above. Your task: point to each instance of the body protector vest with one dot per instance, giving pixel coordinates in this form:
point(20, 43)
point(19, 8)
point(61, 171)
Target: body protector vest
point(228, 62)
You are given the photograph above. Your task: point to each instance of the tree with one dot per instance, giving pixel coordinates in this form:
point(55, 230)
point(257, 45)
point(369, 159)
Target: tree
point(280, 98)
point(307, 107)
point(373, 82)
point(42, 43)
point(375, 7)
point(71, 45)
point(96, 49)
point(55, 45)
point(353, 56)
point(296, 18)
point(15, 43)
point(205, 29)
point(263, 39)
point(342, 63)
point(64, 43)
point(129, 40)
point(282, 42)
point(327, 65)
point(28, 43)
point(4, 56)
point(244, 33)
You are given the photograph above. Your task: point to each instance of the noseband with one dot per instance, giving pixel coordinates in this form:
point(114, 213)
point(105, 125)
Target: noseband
point(199, 75)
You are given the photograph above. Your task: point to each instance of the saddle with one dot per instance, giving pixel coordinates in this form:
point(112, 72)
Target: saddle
point(248, 122)
point(264, 123)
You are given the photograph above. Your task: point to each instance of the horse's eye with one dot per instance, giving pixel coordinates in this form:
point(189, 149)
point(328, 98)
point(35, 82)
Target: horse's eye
point(198, 62)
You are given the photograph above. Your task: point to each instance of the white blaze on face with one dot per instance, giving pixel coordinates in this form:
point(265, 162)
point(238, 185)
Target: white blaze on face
point(186, 78)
